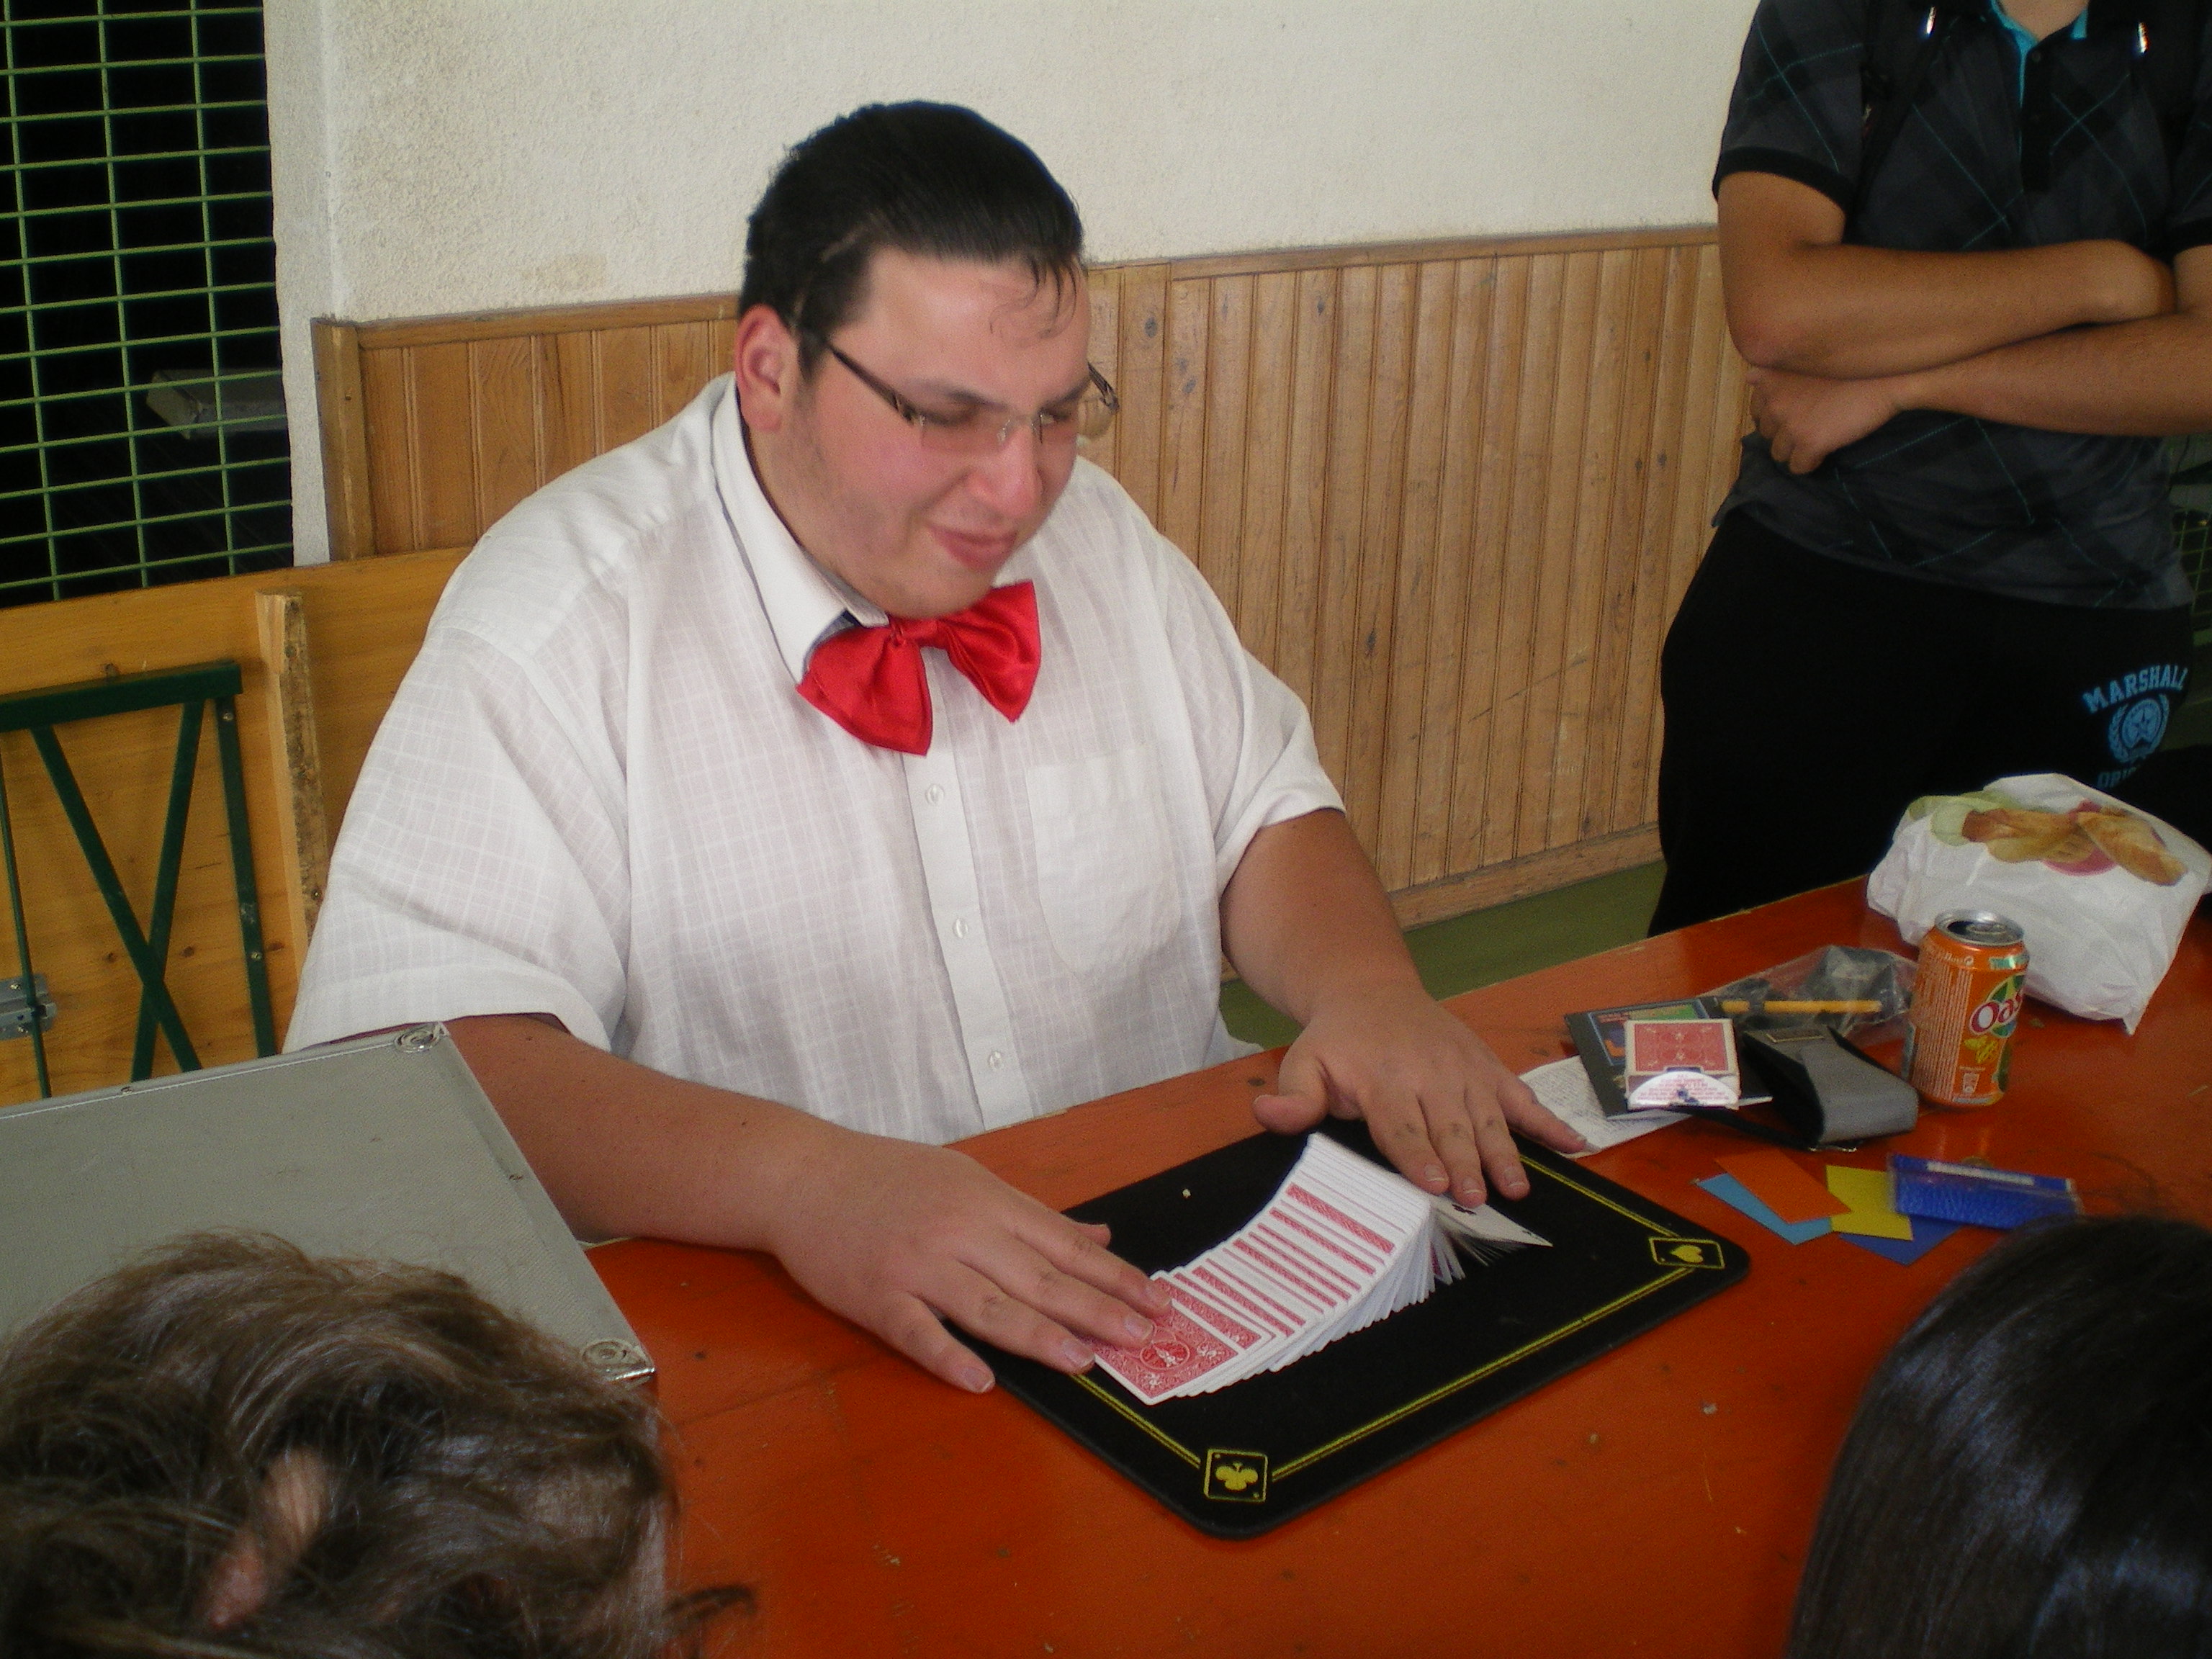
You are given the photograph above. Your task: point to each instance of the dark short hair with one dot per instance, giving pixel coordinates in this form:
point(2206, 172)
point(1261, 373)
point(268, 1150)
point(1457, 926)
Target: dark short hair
point(2030, 1471)
point(934, 180)
point(481, 1493)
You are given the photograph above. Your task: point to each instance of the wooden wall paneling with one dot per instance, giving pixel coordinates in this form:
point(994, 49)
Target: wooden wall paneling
point(1446, 729)
point(1624, 563)
point(1335, 646)
point(1183, 417)
point(1579, 711)
point(388, 425)
point(1521, 592)
point(441, 378)
point(1663, 529)
point(1383, 499)
point(721, 347)
point(1219, 549)
point(508, 398)
point(570, 364)
point(347, 513)
point(1105, 294)
point(1305, 493)
point(681, 364)
point(1403, 666)
point(628, 402)
point(1260, 583)
point(1555, 585)
point(1476, 771)
point(1143, 319)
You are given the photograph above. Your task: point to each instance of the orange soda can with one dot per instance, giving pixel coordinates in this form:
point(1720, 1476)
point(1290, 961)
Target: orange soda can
point(1966, 1004)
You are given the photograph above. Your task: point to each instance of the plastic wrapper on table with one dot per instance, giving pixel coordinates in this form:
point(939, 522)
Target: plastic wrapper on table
point(2102, 890)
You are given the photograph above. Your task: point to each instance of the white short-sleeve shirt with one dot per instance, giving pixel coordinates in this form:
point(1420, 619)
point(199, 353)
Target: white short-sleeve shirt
point(599, 795)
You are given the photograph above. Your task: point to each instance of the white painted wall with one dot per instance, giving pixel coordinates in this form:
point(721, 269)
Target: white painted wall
point(444, 156)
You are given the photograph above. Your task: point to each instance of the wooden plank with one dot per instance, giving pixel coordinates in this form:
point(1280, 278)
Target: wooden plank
point(1182, 426)
point(1373, 646)
point(1105, 354)
point(1267, 410)
point(405, 332)
point(1593, 490)
point(1402, 676)
point(295, 763)
point(1143, 383)
point(627, 405)
point(1306, 484)
point(1541, 737)
point(507, 402)
point(1445, 717)
point(1539, 872)
point(1641, 317)
point(388, 444)
point(347, 513)
point(1662, 527)
point(1422, 252)
point(440, 381)
point(1520, 593)
point(1336, 643)
point(570, 420)
point(1477, 771)
point(1220, 544)
point(681, 364)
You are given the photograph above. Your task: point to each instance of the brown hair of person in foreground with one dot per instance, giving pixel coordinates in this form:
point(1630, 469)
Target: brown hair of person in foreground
point(2029, 1475)
point(231, 1448)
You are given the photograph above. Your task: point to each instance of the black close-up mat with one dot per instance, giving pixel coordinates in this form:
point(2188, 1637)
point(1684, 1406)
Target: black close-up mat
point(1249, 1456)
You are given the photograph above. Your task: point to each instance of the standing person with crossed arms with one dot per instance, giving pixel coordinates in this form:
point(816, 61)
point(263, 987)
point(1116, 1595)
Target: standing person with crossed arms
point(1966, 248)
point(847, 767)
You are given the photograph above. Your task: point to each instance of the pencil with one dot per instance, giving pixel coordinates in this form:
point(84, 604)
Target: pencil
point(1778, 1006)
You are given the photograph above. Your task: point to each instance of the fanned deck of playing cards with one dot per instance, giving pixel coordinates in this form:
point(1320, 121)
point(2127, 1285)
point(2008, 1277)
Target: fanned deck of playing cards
point(1342, 1243)
point(1234, 1460)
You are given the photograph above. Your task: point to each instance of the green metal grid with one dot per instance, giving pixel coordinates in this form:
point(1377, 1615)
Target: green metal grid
point(135, 251)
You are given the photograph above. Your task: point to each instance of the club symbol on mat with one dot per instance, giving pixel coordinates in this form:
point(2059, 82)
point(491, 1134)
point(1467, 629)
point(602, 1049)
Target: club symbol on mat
point(1237, 1477)
point(1686, 1253)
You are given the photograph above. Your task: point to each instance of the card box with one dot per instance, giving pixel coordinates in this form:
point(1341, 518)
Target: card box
point(1237, 1462)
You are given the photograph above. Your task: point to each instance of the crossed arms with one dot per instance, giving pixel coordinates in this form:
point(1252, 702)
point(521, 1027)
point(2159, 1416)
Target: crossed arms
point(2077, 336)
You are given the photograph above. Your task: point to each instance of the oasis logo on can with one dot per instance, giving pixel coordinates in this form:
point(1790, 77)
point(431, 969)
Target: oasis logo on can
point(1999, 1011)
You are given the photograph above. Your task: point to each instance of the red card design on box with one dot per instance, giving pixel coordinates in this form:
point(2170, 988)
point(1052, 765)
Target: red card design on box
point(1659, 1045)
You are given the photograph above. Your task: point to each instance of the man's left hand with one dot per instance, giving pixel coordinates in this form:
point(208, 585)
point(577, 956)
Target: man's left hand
point(1805, 419)
point(1439, 1104)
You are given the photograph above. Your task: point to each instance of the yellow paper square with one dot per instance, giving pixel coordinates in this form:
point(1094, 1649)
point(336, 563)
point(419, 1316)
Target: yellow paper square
point(1873, 1212)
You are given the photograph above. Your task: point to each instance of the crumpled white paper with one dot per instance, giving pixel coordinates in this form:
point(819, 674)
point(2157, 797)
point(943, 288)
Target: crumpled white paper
point(2103, 902)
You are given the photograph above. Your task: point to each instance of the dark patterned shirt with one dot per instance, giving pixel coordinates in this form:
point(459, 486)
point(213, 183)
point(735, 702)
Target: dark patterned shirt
point(1995, 154)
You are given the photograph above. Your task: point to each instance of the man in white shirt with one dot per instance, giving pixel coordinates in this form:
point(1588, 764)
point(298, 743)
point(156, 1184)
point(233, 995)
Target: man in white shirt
point(844, 768)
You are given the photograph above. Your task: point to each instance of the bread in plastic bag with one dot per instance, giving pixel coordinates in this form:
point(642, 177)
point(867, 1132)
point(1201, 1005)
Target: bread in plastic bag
point(2101, 890)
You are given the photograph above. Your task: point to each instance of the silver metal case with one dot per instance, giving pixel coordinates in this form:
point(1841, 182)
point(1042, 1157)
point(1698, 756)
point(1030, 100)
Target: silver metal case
point(381, 1146)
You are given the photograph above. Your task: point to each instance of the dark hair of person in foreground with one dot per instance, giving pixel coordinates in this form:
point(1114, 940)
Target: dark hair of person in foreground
point(2030, 1472)
point(934, 180)
point(231, 1448)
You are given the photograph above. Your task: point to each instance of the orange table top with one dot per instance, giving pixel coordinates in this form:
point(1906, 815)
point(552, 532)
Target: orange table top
point(1656, 1502)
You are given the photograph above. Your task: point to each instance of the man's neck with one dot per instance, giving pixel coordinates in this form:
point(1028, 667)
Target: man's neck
point(2045, 18)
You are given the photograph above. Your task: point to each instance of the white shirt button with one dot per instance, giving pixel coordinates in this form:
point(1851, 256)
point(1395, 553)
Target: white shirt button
point(994, 1059)
point(960, 927)
point(934, 794)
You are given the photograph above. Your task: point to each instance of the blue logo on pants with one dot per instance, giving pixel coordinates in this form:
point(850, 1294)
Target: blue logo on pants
point(2137, 728)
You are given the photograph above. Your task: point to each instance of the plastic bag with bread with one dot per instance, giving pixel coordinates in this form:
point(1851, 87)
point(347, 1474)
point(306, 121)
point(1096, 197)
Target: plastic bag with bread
point(2102, 890)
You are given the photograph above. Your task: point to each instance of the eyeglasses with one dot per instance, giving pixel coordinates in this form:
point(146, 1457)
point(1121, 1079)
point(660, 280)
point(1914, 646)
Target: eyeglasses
point(983, 429)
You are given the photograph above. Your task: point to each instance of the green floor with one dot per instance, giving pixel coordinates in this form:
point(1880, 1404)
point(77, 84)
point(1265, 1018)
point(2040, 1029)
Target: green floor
point(1492, 944)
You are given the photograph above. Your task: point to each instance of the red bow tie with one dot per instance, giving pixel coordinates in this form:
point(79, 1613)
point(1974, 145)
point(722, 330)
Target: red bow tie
point(871, 680)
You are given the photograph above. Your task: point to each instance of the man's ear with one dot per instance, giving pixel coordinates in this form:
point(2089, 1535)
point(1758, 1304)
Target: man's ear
point(766, 361)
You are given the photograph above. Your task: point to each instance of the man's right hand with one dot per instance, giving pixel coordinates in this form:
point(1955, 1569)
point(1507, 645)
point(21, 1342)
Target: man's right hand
point(892, 1234)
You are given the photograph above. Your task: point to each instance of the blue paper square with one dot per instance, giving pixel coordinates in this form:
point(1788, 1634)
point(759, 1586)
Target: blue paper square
point(1927, 1234)
point(1735, 1194)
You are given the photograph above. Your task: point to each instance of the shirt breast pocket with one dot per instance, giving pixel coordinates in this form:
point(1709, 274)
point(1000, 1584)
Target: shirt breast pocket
point(1104, 868)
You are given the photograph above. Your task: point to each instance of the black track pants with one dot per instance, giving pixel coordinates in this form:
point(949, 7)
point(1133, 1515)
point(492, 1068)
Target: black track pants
point(1809, 701)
